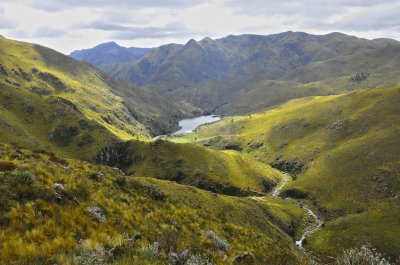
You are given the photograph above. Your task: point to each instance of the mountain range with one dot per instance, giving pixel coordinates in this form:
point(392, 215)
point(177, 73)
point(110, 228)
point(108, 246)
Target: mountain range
point(303, 167)
point(216, 75)
point(109, 53)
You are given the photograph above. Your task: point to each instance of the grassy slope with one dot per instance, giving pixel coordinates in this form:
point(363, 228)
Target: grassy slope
point(28, 119)
point(247, 73)
point(77, 81)
point(349, 146)
point(37, 228)
point(224, 172)
point(383, 60)
point(42, 90)
point(39, 94)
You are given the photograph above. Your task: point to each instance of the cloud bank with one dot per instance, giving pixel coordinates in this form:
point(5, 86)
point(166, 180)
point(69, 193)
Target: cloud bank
point(74, 24)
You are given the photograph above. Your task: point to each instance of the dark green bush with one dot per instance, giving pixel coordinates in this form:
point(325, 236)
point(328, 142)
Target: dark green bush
point(22, 177)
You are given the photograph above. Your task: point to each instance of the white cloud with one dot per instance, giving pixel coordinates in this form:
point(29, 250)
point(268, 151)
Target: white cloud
point(75, 24)
point(48, 32)
point(5, 22)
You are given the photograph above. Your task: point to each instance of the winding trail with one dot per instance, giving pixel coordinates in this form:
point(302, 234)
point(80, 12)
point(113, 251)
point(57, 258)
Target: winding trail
point(312, 228)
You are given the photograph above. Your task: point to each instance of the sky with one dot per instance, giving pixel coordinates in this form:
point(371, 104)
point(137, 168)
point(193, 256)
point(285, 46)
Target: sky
point(68, 25)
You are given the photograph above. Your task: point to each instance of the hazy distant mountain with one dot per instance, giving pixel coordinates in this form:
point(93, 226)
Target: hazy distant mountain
point(240, 74)
point(271, 57)
point(384, 59)
point(109, 53)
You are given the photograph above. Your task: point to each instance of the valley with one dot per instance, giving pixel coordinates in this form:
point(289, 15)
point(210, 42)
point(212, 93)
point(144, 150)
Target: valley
point(340, 179)
point(279, 149)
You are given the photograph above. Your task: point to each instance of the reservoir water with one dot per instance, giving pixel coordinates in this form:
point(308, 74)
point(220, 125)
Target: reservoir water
point(189, 125)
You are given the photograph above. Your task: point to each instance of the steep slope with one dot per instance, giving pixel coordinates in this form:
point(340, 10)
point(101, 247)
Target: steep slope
point(271, 57)
point(383, 60)
point(232, 95)
point(217, 75)
point(109, 53)
point(343, 153)
point(49, 100)
point(78, 213)
point(220, 172)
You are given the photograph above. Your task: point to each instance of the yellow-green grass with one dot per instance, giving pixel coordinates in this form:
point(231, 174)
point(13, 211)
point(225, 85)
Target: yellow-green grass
point(227, 172)
point(38, 228)
point(27, 119)
point(376, 226)
point(79, 83)
point(348, 146)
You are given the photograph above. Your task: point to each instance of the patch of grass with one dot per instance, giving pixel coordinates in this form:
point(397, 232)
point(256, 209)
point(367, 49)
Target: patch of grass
point(226, 172)
point(45, 225)
point(348, 148)
point(50, 101)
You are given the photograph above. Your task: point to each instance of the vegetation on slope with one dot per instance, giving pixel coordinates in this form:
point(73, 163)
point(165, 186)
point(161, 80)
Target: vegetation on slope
point(44, 90)
point(173, 66)
point(246, 73)
point(57, 211)
point(343, 152)
point(220, 172)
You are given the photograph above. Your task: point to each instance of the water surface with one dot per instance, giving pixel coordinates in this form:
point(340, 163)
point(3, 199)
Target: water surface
point(189, 125)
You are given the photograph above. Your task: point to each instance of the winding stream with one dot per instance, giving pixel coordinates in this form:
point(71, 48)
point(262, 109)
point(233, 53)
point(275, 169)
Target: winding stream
point(277, 190)
point(312, 228)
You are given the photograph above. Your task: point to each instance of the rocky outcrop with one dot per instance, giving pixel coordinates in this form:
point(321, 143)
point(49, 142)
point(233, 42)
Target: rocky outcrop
point(96, 213)
point(63, 135)
point(220, 243)
point(117, 155)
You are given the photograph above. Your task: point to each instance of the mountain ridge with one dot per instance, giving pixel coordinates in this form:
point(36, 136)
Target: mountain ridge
point(109, 53)
point(202, 68)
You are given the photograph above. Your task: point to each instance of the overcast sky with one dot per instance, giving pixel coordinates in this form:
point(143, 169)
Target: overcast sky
point(67, 25)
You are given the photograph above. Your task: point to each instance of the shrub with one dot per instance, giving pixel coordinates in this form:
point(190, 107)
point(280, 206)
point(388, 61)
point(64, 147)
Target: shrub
point(23, 177)
point(156, 194)
point(63, 135)
point(96, 213)
point(96, 256)
point(151, 252)
point(222, 244)
point(169, 241)
point(199, 259)
point(361, 256)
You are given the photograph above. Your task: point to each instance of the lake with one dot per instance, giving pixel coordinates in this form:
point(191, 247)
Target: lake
point(189, 125)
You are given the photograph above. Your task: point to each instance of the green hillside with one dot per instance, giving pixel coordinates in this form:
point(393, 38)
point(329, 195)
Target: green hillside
point(343, 153)
point(246, 73)
point(220, 172)
point(57, 211)
point(49, 100)
point(84, 181)
point(242, 95)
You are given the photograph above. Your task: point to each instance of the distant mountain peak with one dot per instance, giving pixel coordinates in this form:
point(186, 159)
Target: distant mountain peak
point(191, 42)
point(207, 39)
point(110, 44)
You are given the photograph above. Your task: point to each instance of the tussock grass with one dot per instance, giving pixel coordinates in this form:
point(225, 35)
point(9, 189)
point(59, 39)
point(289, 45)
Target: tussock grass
point(41, 224)
point(347, 149)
